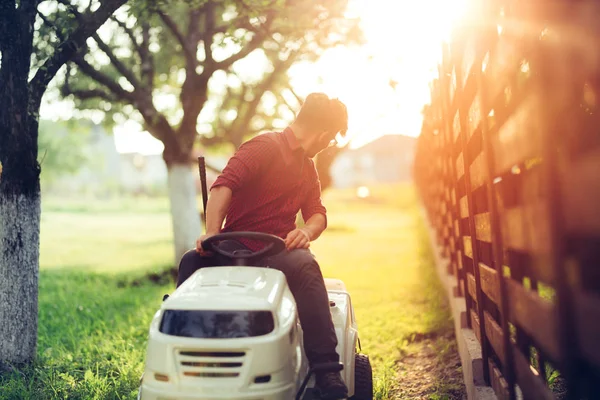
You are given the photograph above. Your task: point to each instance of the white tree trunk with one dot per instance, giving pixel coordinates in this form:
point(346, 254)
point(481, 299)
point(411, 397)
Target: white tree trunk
point(19, 269)
point(184, 209)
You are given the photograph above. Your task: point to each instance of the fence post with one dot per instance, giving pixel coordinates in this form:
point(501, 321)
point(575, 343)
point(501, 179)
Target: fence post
point(489, 41)
point(464, 128)
point(558, 90)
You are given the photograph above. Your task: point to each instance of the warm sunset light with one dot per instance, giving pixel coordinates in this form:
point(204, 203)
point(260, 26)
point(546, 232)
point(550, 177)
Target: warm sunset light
point(385, 81)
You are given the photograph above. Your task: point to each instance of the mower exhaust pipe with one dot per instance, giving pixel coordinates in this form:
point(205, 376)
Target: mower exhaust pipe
point(202, 172)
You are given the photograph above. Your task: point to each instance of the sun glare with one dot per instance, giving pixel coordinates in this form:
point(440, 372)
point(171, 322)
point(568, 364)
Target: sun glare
point(385, 81)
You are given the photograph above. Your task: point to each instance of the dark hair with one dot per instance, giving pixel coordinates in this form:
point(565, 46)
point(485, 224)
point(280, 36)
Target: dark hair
point(320, 113)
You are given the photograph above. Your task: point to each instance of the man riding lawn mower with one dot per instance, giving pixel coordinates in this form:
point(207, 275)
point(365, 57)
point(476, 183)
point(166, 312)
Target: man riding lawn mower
point(269, 327)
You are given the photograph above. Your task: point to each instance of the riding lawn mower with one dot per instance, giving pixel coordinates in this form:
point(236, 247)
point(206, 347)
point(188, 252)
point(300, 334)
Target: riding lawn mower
point(233, 332)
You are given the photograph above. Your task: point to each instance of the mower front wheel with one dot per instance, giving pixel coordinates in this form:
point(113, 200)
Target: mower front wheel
point(363, 378)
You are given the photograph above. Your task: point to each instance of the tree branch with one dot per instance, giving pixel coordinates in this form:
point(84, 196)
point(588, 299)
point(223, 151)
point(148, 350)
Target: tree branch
point(85, 94)
point(193, 97)
point(129, 33)
point(73, 10)
point(105, 80)
point(68, 48)
point(239, 22)
point(207, 40)
point(147, 68)
point(116, 62)
point(240, 126)
point(299, 99)
point(190, 54)
point(252, 45)
point(193, 26)
point(89, 94)
point(209, 141)
point(52, 25)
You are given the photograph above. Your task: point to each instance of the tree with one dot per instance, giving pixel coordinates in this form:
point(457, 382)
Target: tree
point(25, 72)
point(186, 70)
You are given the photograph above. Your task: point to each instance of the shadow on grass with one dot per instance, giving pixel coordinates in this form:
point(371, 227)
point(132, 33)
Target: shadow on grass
point(91, 338)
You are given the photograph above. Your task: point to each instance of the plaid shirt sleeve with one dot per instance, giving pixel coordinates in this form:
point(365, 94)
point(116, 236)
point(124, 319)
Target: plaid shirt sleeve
point(247, 163)
point(312, 204)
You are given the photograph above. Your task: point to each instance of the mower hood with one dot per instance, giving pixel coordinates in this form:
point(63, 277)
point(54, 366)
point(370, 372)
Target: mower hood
point(229, 288)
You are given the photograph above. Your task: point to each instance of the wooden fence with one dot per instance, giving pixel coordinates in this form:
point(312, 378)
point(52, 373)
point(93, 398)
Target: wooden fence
point(508, 167)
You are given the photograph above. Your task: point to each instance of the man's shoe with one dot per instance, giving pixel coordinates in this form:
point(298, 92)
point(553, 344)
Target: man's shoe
point(331, 386)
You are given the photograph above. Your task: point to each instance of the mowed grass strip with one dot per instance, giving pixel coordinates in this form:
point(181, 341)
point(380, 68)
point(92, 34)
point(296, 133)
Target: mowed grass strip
point(92, 332)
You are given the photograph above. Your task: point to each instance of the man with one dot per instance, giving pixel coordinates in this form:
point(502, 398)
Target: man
point(269, 179)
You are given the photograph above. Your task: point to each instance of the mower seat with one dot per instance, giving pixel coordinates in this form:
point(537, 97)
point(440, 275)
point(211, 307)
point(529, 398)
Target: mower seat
point(335, 284)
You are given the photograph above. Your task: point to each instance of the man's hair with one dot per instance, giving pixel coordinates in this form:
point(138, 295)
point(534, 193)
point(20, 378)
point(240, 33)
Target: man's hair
point(320, 113)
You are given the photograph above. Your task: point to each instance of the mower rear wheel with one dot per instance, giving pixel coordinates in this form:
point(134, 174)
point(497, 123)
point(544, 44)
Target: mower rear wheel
point(363, 378)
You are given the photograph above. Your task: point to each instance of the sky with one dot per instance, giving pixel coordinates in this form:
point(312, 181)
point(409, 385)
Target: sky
point(403, 42)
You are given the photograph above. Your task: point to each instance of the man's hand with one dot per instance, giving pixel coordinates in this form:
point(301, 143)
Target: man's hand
point(199, 248)
point(297, 239)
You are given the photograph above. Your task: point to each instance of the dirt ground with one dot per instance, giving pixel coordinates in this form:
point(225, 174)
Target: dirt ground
point(430, 369)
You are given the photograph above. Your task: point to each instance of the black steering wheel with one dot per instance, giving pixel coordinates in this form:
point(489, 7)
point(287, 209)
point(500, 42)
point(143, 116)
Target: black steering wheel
point(274, 245)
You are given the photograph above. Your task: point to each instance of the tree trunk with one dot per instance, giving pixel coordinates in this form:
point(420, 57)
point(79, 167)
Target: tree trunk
point(19, 233)
point(19, 257)
point(19, 188)
point(184, 208)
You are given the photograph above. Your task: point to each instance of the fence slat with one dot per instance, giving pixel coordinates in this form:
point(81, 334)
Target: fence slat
point(519, 138)
point(581, 191)
point(471, 286)
point(502, 66)
point(490, 283)
point(474, 117)
point(531, 313)
point(464, 207)
point(588, 325)
point(494, 334)
point(498, 382)
point(475, 325)
point(526, 229)
point(518, 225)
point(529, 380)
point(468, 246)
point(483, 227)
point(456, 128)
point(478, 171)
point(460, 166)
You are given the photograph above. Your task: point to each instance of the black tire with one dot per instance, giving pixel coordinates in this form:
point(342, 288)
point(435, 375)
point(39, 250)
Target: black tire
point(363, 378)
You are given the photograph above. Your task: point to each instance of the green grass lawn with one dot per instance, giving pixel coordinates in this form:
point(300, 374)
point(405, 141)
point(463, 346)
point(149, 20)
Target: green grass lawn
point(92, 330)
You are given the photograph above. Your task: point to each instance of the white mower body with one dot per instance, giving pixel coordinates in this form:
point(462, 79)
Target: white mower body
point(234, 333)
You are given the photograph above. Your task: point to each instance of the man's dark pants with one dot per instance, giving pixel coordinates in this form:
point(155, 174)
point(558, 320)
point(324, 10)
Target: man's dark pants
point(305, 280)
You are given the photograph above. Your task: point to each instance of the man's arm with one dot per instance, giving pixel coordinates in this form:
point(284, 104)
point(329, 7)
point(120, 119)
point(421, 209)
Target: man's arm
point(216, 209)
point(314, 215)
point(247, 163)
point(315, 226)
point(300, 238)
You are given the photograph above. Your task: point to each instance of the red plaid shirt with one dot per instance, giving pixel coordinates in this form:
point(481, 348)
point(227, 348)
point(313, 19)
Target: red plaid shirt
point(271, 180)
